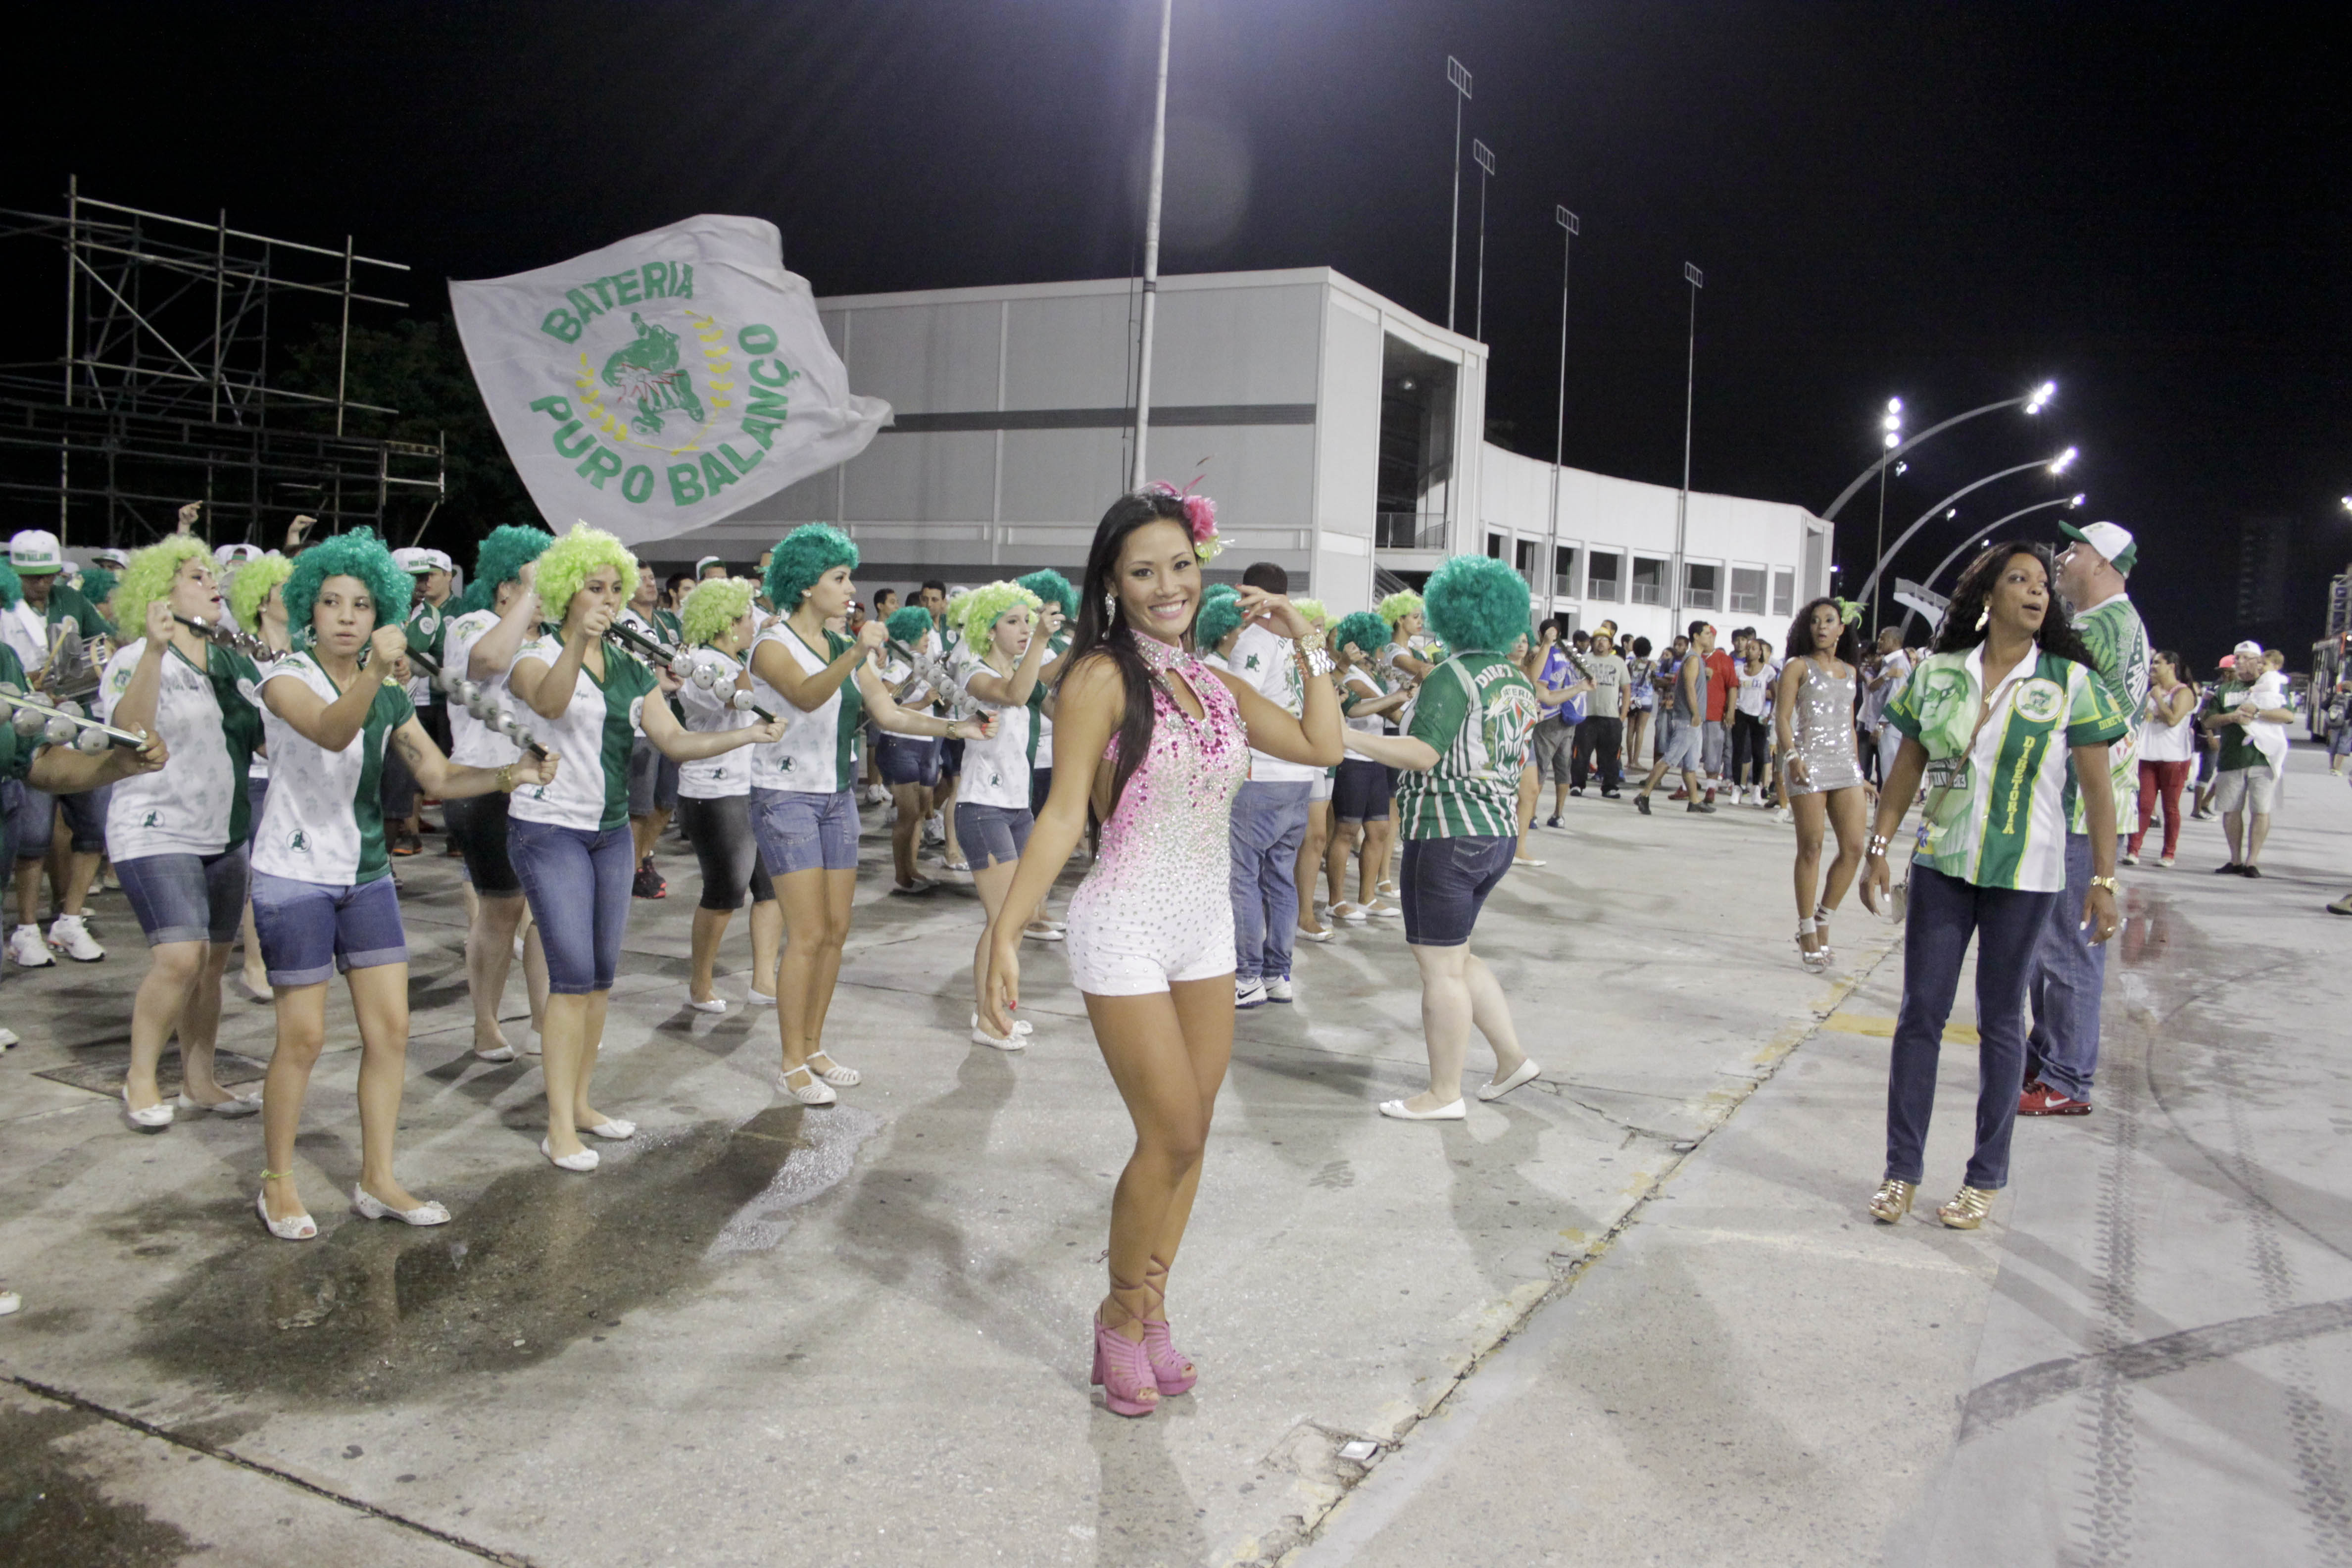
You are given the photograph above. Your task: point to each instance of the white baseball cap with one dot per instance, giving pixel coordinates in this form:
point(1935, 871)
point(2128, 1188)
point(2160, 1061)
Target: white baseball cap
point(111, 560)
point(424, 561)
point(2113, 542)
point(2247, 649)
point(35, 553)
point(237, 554)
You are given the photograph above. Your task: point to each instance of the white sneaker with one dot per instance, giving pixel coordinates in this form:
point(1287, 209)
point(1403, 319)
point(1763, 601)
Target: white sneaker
point(69, 936)
point(1278, 990)
point(10, 1302)
point(1248, 994)
point(7, 1039)
point(26, 946)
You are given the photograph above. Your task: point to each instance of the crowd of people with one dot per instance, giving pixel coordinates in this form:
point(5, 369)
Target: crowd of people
point(1241, 771)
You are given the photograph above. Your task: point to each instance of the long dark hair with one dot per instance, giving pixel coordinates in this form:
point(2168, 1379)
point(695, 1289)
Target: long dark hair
point(1104, 633)
point(1801, 634)
point(1960, 631)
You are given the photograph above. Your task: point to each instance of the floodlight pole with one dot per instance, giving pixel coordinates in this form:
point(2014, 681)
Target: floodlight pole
point(1458, 75)
point(1570, 225)
point(1985, 534)
point(1697, 281)
point(2056, 465)
point(1484, 156)
point(1151, 254)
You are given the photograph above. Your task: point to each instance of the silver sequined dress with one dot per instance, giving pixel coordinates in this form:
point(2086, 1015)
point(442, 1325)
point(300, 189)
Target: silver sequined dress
point(1821, 732)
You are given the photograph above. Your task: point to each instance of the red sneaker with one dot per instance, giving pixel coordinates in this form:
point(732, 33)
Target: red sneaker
point(2038, 1099)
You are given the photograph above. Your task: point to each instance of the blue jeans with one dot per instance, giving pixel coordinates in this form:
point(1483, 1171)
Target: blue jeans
point(577, 882)
point(1269, 821)
point(310, 929)
point(1945, 912)
point(2069, 972)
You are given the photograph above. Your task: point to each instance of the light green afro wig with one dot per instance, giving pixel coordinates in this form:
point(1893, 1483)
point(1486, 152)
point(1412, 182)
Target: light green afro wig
point(1477, 602)
point(977, 613)
point(1363, 630)
point(567, 563)
point(803, 556)
point(1221, 612)
point(505, 551)
point(714, 604)
point(12, 587)
point(361, 554)
point(908, 623)
point(250, 583)
point(1397, 607)
point(1053, 589)
point(148, 577)
point(1313, 610)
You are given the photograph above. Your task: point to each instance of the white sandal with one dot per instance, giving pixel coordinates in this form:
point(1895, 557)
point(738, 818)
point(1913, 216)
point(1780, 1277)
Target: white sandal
point(813, 1093)
point(836, 1075)
point(1814, 958)
point(295, 1227)
point(1821, 930)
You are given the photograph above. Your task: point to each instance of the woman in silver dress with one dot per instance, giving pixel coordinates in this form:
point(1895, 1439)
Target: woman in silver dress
point(1821, 765)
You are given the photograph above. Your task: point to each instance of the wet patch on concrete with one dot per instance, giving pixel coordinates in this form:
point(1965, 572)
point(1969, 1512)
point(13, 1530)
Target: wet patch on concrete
point(541, 1259)
point(50, 1513)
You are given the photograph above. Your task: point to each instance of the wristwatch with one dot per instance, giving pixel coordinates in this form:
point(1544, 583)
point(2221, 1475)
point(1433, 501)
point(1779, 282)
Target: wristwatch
point(2106, 882)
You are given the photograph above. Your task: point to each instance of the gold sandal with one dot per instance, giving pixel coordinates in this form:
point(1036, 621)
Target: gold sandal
point(1892, 1201)
point(1968, 1208)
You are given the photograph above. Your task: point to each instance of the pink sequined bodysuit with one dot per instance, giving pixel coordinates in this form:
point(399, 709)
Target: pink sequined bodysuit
point(1156, 907)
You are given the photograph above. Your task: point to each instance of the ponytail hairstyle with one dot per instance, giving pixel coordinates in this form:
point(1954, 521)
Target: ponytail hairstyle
point(1103, 632)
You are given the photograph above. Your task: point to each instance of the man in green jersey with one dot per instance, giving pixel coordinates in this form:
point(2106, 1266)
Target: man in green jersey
point(2248, 713)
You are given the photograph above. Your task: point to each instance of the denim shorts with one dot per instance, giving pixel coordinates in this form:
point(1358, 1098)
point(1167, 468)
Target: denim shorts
point(951, 758)
point(1685, 749)
point(1041, 784)
point(310, 929)
point(909, 759)
point(35, 818)
point(257, 796)
point(186, 898)
point(992, 835)
point(577, 879)
point(801, 831)
point(1444, 884)
point(1362, 791)
point(478, 827)
point(653, 780)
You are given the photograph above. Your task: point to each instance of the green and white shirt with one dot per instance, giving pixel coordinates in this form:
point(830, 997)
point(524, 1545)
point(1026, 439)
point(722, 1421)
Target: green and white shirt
point(196, 804)
point(427, 625)
point(712, 708)
point(815, 756)
point(471, 742)
point(15, 750)
point(594, 736)
point(1478, 711)
point(1267, 663)
point(1996, 814)
point(996, 768)
point(324, 818)
point(2118, 641)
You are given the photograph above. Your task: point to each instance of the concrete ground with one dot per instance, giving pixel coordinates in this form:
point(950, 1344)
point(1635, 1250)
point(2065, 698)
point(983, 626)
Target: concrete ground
point(1633, 1313)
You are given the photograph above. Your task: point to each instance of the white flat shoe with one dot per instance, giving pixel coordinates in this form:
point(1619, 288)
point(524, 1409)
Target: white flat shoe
point(1395, 911)
point(234, 1106)
point(1352, 914)
point(1305, 935)
point(1044, 933)
point(300, 1227)
point(1012, 1042)
point(368, 1207)
point(1021, 1026)
point(1527, 1072)
point(713, 1006)
point(836, 1075)
point(585, 1160)
point(496, 1054)
point(1396, 1108)
point(758, 998)
point(616, 1129)
point(810, 1093)
point(531, 1046)
point(146, 1118)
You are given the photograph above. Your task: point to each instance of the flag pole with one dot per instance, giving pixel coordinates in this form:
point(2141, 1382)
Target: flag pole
point(1151, 255)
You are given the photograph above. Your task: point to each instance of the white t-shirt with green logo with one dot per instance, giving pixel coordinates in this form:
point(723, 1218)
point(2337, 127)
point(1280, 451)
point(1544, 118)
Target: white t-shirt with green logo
point(594, 736)
point(1267, 663)
point(324, 818)
point(471, 742)
point(713, 709)
point(196, 804)
point(996, 768)
point(813, 757)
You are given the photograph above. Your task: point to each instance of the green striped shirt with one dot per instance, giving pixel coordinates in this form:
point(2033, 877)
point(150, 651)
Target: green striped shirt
point(2118, 644)
point(1476, 712)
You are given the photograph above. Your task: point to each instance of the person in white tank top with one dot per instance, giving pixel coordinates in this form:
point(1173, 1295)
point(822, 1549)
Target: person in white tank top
point(1007, 629)
point(2167, 748)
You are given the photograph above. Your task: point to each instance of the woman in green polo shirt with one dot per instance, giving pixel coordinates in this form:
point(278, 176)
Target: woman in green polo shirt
point(1995, 720)
point(1458, 801)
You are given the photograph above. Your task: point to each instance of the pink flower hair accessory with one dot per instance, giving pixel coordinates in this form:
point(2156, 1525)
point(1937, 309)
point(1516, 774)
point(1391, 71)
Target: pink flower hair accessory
point(1199, 517)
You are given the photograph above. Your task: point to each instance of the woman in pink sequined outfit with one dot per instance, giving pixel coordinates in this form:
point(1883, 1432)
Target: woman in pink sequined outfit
point(1151, 928)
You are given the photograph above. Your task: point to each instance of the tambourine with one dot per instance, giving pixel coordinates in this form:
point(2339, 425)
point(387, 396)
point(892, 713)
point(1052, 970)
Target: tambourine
point(62, 723)
point(710, 673)
point(469, 695)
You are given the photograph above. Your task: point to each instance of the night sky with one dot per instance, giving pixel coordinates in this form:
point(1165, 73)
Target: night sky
point(1947, 202)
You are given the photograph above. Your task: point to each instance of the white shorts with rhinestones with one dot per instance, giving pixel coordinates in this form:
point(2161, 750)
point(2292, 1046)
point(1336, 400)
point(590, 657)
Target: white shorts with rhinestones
point(1117, 950)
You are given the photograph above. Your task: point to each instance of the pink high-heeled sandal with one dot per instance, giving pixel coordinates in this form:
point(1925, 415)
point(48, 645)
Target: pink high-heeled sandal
point(1171, 1369)
point(1124, 1373)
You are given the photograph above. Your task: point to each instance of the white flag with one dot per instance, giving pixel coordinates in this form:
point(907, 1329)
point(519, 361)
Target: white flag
point(661, 383)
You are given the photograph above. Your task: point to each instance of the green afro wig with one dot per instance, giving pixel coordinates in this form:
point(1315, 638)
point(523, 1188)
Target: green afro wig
point(1051, 587)
point(908, 623)
point(1363, 630)
point(1317, 615)
point(12, 587)
point(96, 585)
point(1477, 602)
point(1221, 612)
point(1397, 607)
point(803, 556)
point(977, 613)
point(714, 604)
point(504, 552)
point(361, 554)
point(567, 563)
point(250, 583)
point(148, 577)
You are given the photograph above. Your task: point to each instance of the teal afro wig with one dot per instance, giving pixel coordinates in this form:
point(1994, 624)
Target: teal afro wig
point(908, 625)
point(1052, 588)
point(361, 554)
point(1221, 612)
point(97, 586)
point(505, 551)
point(1477, 602)
point(803, 556)
point(12, 587)
point(1365, 630)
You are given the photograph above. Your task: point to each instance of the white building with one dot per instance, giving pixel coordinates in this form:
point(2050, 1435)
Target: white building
point(1327, 423)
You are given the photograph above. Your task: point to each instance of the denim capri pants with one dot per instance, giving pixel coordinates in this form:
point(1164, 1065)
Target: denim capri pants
point(186, 898)
point(310, 929)
point(36, 815)
point(577, 882)
point(801, 831)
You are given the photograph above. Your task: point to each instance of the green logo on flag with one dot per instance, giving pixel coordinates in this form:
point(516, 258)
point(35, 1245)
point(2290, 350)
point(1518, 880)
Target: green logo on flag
point(646, 375)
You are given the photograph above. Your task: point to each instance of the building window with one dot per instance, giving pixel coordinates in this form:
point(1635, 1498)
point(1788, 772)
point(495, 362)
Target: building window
point(1530, 552)
point(1784, 591)
point(1700, 584)
point(1495, 545)
point(1747, 590)
point(1415, 497)
point(1563, 571)
point(1649, 580)
point(1604, 575)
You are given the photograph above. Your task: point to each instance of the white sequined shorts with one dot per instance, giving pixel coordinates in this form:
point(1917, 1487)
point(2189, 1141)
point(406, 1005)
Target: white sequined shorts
point(1116, 949)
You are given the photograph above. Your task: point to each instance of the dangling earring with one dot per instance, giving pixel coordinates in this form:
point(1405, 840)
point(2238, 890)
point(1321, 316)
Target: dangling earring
point(1984, 616)
point(1110, 608)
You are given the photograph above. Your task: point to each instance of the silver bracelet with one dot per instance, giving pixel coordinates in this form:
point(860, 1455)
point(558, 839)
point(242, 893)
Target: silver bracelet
point(1317, 660)
point(1877, 846)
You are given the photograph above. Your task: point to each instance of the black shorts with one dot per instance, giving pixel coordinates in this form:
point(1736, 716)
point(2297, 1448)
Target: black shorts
point(478, 824)
point(721, 832)
point(1362, 791)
